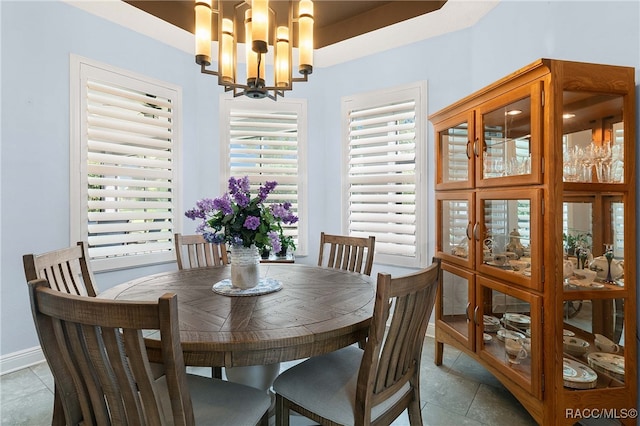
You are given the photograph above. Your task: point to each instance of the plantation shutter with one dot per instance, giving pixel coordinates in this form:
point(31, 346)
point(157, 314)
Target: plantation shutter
point(383, 173)
point(266, 143)
point(129, 130)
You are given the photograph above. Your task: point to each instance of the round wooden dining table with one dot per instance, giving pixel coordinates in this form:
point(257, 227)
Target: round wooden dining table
point(318, 310)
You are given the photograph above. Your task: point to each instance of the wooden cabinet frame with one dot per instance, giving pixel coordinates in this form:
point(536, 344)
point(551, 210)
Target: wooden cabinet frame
point(603, 98)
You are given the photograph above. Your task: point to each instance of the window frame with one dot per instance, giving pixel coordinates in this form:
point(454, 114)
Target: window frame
point(416, 92)
point(81, 69)
point(229, 104)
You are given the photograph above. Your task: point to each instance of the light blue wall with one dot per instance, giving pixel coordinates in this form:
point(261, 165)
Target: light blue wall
point(38, 37)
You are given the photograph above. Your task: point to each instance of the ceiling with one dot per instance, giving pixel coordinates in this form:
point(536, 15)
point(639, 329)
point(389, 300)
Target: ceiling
point(335, 21)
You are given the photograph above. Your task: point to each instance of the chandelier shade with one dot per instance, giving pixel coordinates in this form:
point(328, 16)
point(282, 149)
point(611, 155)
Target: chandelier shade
point(265, 38)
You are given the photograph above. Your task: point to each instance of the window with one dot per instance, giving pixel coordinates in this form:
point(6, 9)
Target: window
point(124, 160)
point(266, 141)
point(384, 172)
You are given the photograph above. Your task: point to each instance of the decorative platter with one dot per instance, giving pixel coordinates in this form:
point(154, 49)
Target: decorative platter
point(576, 375)
point(491, 324)
point(265, 286)
point(510, 334)
point(607, 363)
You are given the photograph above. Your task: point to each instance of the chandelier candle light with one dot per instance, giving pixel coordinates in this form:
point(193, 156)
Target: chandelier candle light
point(261, 30)
point(246, 223)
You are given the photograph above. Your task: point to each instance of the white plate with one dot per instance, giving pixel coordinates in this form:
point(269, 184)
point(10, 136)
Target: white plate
point(574, 345)
point(503, 333)
point(517, 319)
point(578, 376)
point(503, 266)
point(610, 364)
point(580, 283)
point(566, 332)
point(486, 337)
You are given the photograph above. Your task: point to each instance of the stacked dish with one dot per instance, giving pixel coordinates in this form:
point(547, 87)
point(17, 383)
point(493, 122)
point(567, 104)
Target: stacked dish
point(578, 376)
point(491, 324)
point(518, 321)
point(610, 364)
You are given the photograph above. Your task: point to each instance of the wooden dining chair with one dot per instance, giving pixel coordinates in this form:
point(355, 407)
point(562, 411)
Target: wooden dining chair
point(95, 349)
point(67, 269)
point(353, 254)
point(193, 251)
point(375, 385)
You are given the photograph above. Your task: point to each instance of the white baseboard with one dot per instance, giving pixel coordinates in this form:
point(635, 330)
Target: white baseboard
point(21, 359)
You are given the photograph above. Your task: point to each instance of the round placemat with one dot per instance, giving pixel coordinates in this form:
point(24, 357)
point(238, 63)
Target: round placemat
point(265, 286)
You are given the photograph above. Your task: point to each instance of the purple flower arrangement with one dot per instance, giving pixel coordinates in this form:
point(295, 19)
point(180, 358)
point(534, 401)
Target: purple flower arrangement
point(239, 219)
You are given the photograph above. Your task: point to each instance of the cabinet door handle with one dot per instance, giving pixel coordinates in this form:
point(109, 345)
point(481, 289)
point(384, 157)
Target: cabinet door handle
point(468, 149)
point(475, 232)
point(469, 231)
point(467, 311)
point(475, 315)
point(475, 147)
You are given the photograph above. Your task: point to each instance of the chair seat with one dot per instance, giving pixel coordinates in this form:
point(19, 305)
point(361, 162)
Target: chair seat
point(219, 402)
point(326, 385)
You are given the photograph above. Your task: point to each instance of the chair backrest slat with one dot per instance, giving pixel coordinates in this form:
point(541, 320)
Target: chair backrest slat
point(353, 254)
point(193, 251)
point(96, 351)
point(392, 354)
point(67, 270)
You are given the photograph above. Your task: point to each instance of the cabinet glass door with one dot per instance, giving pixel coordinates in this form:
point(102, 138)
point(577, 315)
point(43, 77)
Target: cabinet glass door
point(508, 151)
point(455, 304)
point(514, 344)
point(508, 239)
point(455, 218)
point(594, 336)
point(454, 149)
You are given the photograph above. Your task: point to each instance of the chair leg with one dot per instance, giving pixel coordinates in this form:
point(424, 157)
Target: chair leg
point(216, 372)
point(58, 411)
point(282, 411)
point(264, 421)
point(415, 415)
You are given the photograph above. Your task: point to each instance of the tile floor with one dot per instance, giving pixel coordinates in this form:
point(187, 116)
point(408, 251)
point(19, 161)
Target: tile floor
point(460, 392)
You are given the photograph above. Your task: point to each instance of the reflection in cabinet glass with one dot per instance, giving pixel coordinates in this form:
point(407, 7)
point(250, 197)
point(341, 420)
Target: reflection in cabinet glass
point(507, 135)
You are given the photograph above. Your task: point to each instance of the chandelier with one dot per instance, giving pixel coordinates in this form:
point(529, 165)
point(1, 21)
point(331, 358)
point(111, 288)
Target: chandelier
point(261, 33)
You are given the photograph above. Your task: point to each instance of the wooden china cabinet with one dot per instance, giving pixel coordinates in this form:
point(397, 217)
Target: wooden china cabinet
point(536, 226)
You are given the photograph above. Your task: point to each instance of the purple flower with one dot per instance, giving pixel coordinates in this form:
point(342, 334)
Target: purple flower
point(265, 190)
point(194, 214)
point(206, 205)
point(241, 199)
point(237, 217)
point(252, 222)
point(281, 211)
point(239, 185)
point(276, 245)
point(212, 237)
point(223, 204)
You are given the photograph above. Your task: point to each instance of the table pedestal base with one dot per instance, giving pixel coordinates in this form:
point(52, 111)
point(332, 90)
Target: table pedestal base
point(256, 376)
